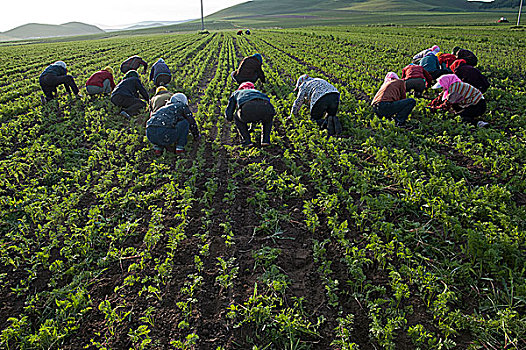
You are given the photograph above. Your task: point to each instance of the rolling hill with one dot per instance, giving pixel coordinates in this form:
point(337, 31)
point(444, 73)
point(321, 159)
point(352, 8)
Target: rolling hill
point(37, 30)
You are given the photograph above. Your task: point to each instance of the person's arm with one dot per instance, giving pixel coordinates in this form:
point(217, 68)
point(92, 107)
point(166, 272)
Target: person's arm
point(112, 82)
point(144, 64)
point(298, 103)
point(142, 90)
point(402, 91)
point(403, 73)
point(261, 75)
point(194, 129)
point(151, 72)
point(230, 108)
point(429, 78)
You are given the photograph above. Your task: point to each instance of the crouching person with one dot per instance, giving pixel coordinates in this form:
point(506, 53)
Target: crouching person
point(126, 94)
point(54, 75)
point(391, 101)
point(101, 82)
point(170, 125)
point(253, 106)
point(324, 100)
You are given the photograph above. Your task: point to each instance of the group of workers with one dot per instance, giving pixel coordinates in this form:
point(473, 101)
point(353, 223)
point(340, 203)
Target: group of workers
point(171, 119)
point(462, 86)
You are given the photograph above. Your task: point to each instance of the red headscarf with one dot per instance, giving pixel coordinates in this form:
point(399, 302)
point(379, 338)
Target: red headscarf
point(457, 64)
point(246, 86)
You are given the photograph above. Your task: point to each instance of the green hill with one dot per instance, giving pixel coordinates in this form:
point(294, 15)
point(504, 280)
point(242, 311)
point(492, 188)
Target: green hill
point(299, 7)
point(36, 30)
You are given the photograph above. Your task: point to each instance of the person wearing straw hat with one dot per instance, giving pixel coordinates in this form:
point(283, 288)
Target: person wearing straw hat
point(100, 82)
point(463, 99)
point(391, 101)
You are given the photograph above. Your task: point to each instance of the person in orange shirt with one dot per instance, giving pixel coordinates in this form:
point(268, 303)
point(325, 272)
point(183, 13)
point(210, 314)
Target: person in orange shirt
point(391, 100)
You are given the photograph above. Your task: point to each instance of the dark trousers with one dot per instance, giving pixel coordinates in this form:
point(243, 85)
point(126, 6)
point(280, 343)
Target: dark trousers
point(327, 105)
point(470, 114)
point(399, 109)
point(255, 111)
point(131, 105)
point(49, 84)
point(162, 79)
point(416, 84)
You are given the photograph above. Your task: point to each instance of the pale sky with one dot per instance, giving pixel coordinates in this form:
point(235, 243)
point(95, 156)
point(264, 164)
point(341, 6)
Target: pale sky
point(104, 13)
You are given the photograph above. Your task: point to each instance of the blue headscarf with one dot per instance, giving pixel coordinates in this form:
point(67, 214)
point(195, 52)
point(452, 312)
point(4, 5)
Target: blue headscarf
point(258, 56)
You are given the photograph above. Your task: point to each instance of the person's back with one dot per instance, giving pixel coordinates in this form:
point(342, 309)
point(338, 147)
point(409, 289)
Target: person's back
point(430, 63)
point(468, 56)
point(133, 63)
point(158, 68)
point(54, 69)
point(250, 70)
point(130, 87)
point(159, 100)
point(472, 76)
point(390, 91)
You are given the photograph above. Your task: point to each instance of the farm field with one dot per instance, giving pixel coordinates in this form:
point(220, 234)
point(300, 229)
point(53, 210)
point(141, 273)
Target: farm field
point(385, 238)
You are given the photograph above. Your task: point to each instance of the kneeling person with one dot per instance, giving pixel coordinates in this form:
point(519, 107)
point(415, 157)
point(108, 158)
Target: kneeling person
point(170, 124)
point(101, 82)
point(126, 94)
point(253, 106)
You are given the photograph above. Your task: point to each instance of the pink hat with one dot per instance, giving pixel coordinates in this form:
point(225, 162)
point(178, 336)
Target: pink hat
point(246, 86)
point(390, 76)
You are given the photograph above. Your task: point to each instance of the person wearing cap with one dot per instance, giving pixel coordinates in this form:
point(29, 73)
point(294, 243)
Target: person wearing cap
point(160, 73)
point(462, 99)
point(133, 63)
point(471, 75)
point(252, 106)
point(416, 78)
point(323, 99)
point(250, 70)
point(465, 55)
point(101, 82)
point(170, 124)
point(390, 100)
point(433, 49)
point(126, 94)
point(54, 75)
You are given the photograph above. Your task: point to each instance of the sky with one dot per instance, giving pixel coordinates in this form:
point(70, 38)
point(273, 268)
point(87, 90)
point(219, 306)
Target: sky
point(104, 13)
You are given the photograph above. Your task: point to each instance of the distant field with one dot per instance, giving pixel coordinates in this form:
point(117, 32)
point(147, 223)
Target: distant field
point(384, 238)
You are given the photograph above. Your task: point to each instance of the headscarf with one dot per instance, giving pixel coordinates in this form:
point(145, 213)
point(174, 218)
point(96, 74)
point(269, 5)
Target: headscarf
point(159, 89)
point(246, 86)
point(455, 50)
point(302, 79)
point(444, 82)
point(179, 97)
point(258, 56)
point(435, 48)
point(131, 73)
point(390, 76)
point(108, 69)
point(61, 64)
point(456, 64)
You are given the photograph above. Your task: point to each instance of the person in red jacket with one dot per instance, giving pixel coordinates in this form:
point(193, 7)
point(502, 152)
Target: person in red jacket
point(446, 59)
point(416, 78)
point(101, 82)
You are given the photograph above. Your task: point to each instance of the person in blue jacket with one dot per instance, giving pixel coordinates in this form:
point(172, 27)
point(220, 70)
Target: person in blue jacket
point(54, 75)
point(126, 94)
point(252, 106)
point(160, 73)
point(170, 124)
point(432, 66)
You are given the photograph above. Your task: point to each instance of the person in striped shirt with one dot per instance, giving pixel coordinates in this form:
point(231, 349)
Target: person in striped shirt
point(464, 99)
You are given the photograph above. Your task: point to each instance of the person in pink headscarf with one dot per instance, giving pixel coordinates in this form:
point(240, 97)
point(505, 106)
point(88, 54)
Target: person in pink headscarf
point(463, 98)
point(433, 49)
point(391, 100)
point(252, 106)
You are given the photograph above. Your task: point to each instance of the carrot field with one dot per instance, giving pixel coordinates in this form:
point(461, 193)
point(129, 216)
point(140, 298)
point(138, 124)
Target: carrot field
point(383, 238)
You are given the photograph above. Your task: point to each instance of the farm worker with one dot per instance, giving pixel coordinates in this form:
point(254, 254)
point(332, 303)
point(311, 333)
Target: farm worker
point(471, 75)
point(446, 59)
point(160, 73)
point(54, 75)
point(391, 100)
point(324, 100)
point(101, 82)
point(126, 94)
point(249, 70)
point(433, 49)
point(430, 64)
point(416, 78)
point(170, 124)
point(466, 55)
point(247, 32)
point(133, 63)
point(240, 32)
point(253, 106)
point(161, 97)
point(462, 98)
